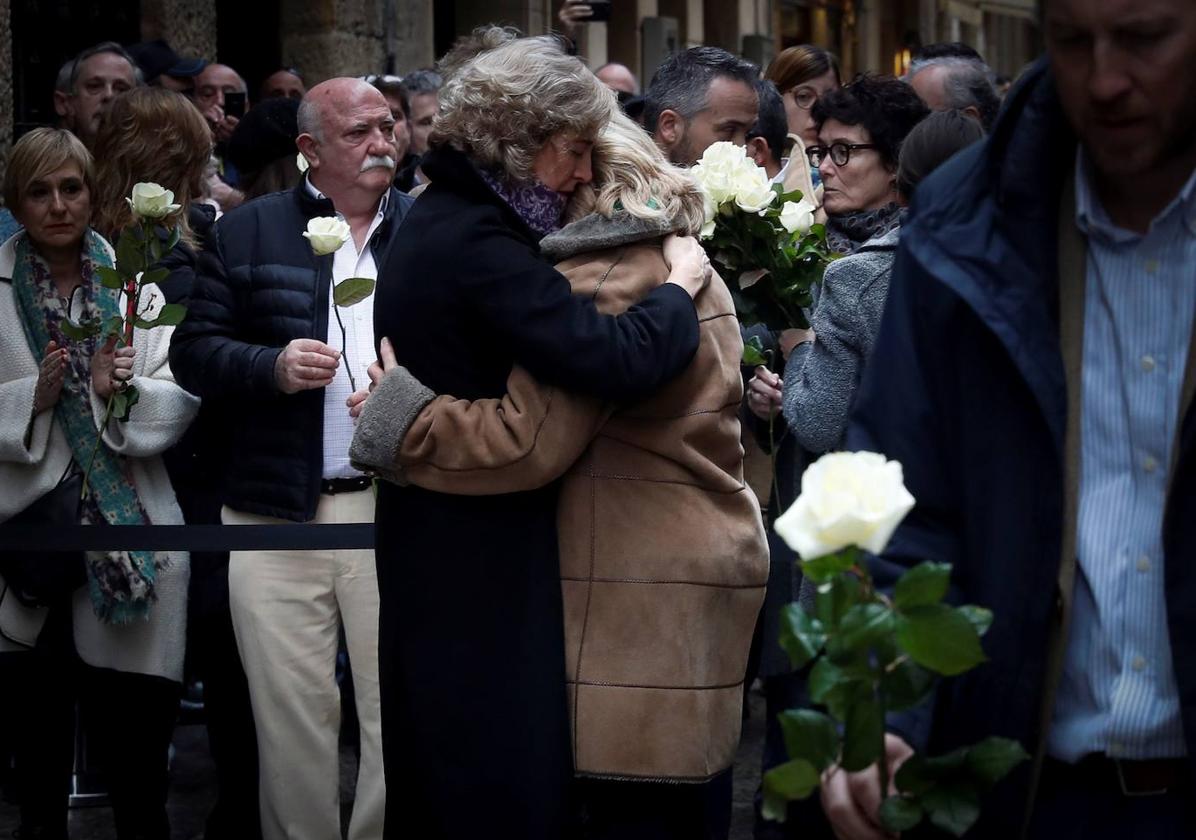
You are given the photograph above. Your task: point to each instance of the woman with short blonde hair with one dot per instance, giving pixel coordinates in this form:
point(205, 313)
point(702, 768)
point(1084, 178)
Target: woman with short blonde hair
point(465, 294)
point(108, 628)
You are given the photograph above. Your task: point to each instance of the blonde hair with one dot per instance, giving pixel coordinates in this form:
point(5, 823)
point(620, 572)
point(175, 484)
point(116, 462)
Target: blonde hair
point(632, 174)
point(505, 96)
point(149, 134)
point(40, 153)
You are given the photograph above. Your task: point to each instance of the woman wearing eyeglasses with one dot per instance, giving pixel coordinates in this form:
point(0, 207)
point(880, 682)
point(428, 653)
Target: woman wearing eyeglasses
point(860, 131)
point(803, 74)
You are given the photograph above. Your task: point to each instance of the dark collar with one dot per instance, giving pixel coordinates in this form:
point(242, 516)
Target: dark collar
point(449, 169)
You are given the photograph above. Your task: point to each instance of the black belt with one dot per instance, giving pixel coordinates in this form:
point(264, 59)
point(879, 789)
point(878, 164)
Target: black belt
point(1149, 777)
point(332, 486)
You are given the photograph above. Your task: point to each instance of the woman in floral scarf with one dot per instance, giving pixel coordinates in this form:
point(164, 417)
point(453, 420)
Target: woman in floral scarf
point(118, 640)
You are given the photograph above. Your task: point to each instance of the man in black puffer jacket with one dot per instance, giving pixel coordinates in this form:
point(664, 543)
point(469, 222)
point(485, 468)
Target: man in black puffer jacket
point(264, 343)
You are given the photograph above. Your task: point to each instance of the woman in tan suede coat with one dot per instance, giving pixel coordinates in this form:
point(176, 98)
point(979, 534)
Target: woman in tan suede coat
point(662, 548)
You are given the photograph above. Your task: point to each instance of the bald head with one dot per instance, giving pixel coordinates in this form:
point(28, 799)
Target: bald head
point(618, 77)
point(335, 94)
point(214, 82)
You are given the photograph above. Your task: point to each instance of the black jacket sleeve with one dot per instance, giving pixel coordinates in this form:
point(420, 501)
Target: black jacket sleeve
point(204, 356)
point(563, 339)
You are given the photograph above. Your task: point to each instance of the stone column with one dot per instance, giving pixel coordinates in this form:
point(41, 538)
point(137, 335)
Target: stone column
point(189, 26)
point(326, 38)
point(6, 103)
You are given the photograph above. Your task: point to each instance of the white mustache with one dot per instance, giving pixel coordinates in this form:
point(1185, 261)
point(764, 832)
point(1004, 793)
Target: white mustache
point(375, 161)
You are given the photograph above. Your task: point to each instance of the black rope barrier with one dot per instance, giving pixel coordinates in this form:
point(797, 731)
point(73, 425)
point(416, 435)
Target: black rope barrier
point(295, 537)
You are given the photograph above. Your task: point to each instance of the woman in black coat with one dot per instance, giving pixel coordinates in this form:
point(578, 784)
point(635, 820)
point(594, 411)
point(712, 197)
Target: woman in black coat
point(471, 653)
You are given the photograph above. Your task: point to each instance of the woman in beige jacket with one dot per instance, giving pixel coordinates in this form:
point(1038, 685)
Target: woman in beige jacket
point(662, 548)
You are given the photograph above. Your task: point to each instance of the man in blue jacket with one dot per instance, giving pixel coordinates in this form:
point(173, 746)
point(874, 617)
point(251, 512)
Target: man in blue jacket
point(1034, 374)
point(265, 343)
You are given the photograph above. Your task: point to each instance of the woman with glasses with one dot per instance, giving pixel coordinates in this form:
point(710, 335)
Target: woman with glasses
point(861, 129)
point(803, 74)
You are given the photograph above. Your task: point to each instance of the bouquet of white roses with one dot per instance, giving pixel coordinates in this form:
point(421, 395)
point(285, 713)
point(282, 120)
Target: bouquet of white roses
point(762, 239)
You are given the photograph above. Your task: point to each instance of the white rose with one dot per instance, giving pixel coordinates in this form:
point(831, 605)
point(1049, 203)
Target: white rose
point(301, 162)
point(797, 216)
point(714, 182)
point(723, 154)
point(707, 230)
point(847, 498)
point(753, 191)
point(150, 201)
point(327, 234)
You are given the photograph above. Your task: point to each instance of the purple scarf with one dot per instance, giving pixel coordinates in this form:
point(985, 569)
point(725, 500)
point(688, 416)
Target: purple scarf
point(540, 208)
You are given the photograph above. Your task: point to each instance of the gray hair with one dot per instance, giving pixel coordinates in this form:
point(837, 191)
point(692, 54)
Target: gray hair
point(103, 47)
point(967, 84)
point(504, 97)
point(309, 120)
point(682, 83)
point(62, 82)
point(422, 81)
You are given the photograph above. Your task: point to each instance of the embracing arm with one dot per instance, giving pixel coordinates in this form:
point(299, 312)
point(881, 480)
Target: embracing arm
point(206, 357)
point(522, 441)
point(562, 339)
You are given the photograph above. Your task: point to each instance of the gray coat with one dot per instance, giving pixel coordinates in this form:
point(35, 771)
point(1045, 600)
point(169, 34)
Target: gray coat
point(822, 376)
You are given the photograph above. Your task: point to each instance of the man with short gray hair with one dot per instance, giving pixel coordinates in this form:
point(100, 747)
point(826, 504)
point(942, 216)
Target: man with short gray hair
point(266, 346)
point(956, 83)
point(697, 98)
point(97, 76)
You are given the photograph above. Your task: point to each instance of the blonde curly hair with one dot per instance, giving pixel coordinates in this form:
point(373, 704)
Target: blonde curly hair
point(504, 96)
point(632, 174)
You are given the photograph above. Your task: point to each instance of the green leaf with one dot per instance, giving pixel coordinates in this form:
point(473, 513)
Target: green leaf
point(907, 685)
point(171, 315)
point(913, 777)
point(864, 734)
point(810, 735)
point(940, 638)
point(923, 585)
point(129, 258)
point(900, 813)
point(154, 275)
point(864, 624)
point(754, 353)
point(123, 402)
point(351, 291)
point(802, 635)
point(824, 677)
point(993, 758)
point(114, 326)
point(948, 764)
point(176, 234)
point(786, 782)
point(155, 248)
point(109, 277)
point(953, 807)
point(821, 569)
point(981, 618)
point(835, 597)
point(81, 331)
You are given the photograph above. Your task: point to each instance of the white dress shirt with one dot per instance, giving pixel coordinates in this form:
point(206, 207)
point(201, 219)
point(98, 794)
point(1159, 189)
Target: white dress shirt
point(357, 346)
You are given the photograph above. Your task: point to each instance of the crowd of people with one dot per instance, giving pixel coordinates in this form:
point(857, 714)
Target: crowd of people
point(542, 410)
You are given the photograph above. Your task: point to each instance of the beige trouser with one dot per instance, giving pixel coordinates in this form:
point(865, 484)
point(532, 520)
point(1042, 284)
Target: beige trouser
point(286, 608)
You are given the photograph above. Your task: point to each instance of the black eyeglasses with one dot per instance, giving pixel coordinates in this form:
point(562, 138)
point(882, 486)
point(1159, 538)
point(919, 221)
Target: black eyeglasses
point(840, 152)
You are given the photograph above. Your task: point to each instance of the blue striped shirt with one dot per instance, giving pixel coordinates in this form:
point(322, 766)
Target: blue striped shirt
point(1117, 694)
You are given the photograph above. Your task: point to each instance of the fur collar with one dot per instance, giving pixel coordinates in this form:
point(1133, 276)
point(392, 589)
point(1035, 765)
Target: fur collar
point(596, 232)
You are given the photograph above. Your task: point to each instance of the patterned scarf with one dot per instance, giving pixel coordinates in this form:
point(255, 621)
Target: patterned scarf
point(540, 208)
point(121, 583)
point(846, 233)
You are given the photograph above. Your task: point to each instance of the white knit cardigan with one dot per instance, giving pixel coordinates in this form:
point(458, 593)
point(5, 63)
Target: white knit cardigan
point(34, 453)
